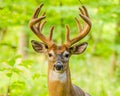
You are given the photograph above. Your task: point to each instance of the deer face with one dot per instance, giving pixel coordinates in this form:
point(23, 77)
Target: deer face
point(58, 56)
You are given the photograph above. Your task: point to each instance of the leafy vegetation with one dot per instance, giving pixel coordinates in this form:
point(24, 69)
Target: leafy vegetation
point(24, 72)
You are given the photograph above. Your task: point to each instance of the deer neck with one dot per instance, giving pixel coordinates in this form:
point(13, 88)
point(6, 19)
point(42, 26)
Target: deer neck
point(59, 84)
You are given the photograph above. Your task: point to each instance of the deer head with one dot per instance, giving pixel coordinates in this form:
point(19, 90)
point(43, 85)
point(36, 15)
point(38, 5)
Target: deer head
point(58, 56)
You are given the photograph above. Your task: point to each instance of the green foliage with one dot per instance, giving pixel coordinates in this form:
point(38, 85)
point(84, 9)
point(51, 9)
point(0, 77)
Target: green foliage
point(90, 70)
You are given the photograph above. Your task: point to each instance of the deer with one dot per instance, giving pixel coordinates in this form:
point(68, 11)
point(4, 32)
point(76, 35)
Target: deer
point(59, 76)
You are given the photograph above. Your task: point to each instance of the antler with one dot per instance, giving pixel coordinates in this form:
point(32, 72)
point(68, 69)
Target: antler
point(82, 31)
point(36, 26)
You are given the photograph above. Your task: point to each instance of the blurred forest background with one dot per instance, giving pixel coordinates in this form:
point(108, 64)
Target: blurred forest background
point(24, 72)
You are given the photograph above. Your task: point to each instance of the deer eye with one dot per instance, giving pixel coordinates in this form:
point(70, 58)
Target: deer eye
point(66, 55)
point(50, 55)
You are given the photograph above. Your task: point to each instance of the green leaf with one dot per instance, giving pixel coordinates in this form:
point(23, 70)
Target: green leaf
point(36, 76)
point(9, 74)
point(12, 60)
point(26, 63)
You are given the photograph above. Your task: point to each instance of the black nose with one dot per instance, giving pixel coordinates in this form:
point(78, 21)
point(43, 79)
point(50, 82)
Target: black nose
point(58, 67)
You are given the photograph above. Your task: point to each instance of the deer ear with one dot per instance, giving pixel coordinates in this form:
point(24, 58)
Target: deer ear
point(78, 49)
point(39, 46)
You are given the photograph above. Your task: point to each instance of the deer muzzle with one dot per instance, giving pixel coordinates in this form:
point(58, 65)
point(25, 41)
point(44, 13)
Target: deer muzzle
point(58, 66)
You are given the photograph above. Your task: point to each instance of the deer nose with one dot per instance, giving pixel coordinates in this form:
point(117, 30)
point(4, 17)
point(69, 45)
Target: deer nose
point(58, 66)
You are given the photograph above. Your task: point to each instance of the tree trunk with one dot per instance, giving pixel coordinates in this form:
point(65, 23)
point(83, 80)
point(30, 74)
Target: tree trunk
point(115, 53)
point(2, 33)
point(62, 26)
point(22, 46)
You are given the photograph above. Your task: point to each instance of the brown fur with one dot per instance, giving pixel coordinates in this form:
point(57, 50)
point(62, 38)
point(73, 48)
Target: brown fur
point(57, 88)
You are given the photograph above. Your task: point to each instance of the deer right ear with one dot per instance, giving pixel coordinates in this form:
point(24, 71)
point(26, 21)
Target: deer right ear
point(39, 46)
point(78, 49)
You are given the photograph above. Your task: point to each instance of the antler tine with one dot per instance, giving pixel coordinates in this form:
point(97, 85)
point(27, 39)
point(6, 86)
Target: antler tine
point(81, 10)
point(85, 10)
point(37, 11)
point(40, 25)
point(36, 26)
point(82, 32)
point(51, 33)
point(78, 24)
point(67, 34)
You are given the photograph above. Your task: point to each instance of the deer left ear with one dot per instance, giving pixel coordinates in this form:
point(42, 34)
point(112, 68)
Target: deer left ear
point(39, 46)
point(78, 49)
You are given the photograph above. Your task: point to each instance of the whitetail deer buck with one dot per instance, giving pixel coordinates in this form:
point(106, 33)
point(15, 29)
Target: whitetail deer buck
point(59, 79)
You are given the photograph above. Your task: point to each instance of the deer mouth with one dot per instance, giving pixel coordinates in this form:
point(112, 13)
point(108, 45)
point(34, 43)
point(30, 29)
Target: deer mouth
point(59, 71)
